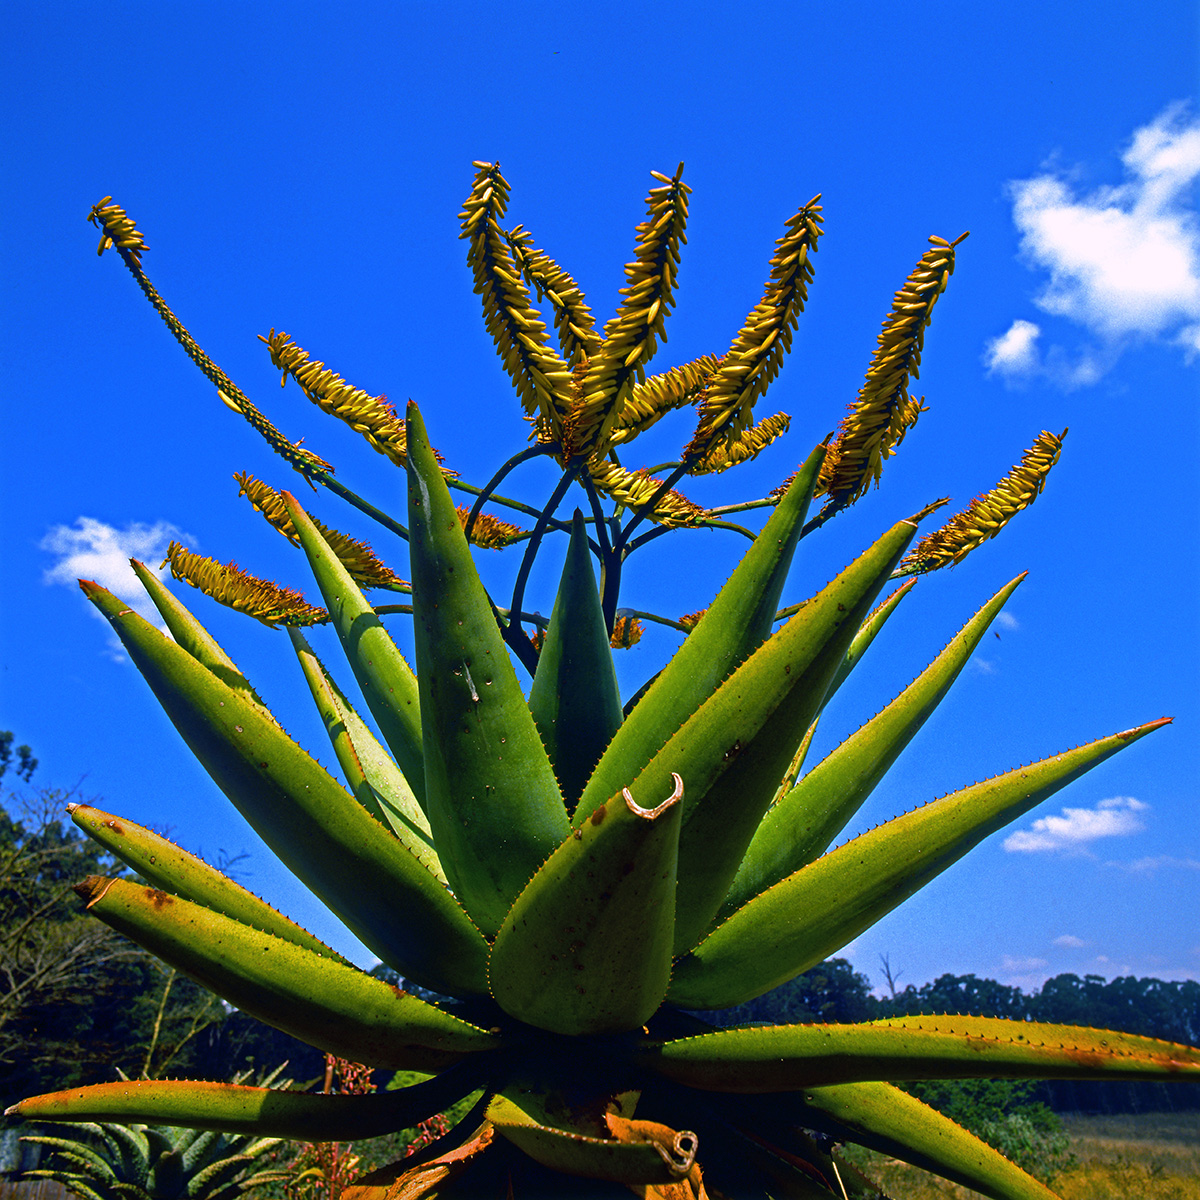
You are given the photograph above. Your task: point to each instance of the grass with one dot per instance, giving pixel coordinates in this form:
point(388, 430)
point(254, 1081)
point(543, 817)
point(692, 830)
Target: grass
point(1144, 1156)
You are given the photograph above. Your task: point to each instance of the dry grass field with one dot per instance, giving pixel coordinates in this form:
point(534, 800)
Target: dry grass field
point(1148, 1156)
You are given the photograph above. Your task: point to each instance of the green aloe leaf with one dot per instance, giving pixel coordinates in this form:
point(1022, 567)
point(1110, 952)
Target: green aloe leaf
point(733, 751)
point(192, 636)
point(387, 681)
point(234, 1108)
point(377, 783)
point(887, 1119)
point(330, 1005)
point(553, 1132)
point(858, 647)
point(574, 698)
point(493, 802)
point(735, 625)
point(803, 824)
point(763, 944)
point(169, 867)
point(779, 1058)
point(307, 818)
point(587, 946)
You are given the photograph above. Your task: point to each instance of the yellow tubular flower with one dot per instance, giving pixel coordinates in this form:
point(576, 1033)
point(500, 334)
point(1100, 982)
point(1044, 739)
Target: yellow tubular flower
point(488, 532)
point(883, 412)
point(573, 320)
point(986, 514)
point(365, 568)
point(758, 350)
point(692, 619)
point(540, 376)
point(372, 416)
point(629, 338)
point(649, 402)
point(745, 446)
point(635, 489)
point(118, 230)
point(627, 631)
point(258, 598)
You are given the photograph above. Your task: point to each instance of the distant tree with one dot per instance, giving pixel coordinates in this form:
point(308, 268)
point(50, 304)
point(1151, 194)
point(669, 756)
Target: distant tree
point(26, 763)
point(831, 991)
point(966, 994)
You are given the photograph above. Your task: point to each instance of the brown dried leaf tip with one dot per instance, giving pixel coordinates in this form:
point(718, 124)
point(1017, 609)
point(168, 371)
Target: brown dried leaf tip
point(987, 514)
point(227, 584)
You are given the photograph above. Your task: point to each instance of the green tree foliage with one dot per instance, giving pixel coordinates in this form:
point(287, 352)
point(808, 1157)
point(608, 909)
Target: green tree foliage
point(78, 1001)
point(1005, 1114)
point(831, 991)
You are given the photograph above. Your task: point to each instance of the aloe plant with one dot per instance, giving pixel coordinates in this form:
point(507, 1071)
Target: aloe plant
point(578, 879)
point(110, 1161)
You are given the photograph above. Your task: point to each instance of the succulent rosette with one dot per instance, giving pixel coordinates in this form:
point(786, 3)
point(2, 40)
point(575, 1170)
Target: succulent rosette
point(572, 882)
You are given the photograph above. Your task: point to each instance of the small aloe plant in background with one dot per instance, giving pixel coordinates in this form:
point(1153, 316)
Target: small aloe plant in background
point(574, 880)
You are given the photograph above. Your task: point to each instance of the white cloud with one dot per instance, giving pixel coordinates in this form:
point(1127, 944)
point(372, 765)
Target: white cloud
point(1070, 941)
point(1007, 621)
point(1123, 262)
point(90, 549)
point(1022, 964)
point(1115, 817)
point(1015, 353)
point(1147, 866)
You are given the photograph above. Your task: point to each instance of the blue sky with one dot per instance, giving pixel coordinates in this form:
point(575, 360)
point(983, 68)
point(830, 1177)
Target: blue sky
point(301, 166)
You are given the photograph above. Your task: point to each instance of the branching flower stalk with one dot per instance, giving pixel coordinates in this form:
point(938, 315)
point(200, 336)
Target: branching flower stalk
point(575, 881)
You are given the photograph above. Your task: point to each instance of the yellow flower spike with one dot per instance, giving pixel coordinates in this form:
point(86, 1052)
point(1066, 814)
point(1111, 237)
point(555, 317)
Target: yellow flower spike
point(743, 447)
point(758, 350)
point(987, 514)
point(573, 320)
point(690, 620)
point(635, 489)
point(119, 231)
point(372, 416)
point(488, 532)
point(365, 568)
point(229, 585)
point(649, 402)
point(629, 338)
point(540, 376)
point(883, 411)
point(627, 631)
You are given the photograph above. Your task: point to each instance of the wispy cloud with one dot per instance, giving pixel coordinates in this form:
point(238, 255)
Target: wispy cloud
point(1077, 827)
point(90, 549)
point(1007, 621)
point(1123, 262)
point(1069, 941)
point(1151, 864)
